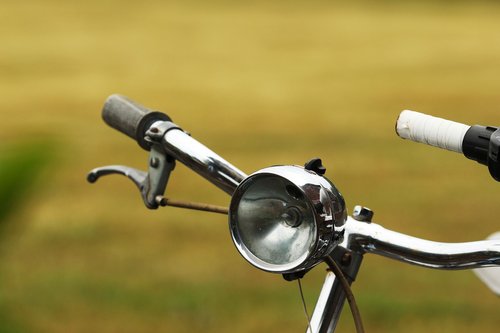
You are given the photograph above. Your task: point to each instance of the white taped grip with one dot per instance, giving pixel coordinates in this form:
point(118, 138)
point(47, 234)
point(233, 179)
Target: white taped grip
point(430, 130)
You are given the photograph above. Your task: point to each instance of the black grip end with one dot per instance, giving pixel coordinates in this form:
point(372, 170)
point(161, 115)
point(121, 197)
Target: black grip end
point(482, 144)
point(130, 118)
point(494, 155)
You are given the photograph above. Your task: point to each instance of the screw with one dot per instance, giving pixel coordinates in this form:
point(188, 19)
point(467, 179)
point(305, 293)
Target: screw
point(362, 214)
point(319, 207)
point(154, 162)
point(346, 259)
point(154, 130)
point(161, 200)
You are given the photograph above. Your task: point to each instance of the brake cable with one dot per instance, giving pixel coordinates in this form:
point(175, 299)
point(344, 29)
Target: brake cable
point(194, 205)
point(349, 294)
point(304, 306)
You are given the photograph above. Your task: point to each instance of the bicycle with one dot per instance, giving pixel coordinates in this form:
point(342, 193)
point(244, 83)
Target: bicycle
point(289, 219)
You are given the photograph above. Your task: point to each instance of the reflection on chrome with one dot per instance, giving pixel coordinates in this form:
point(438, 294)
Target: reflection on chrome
point(202, 160)
point(372, 238)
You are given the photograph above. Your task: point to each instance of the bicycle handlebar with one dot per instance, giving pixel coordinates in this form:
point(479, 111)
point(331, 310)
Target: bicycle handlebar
point(478, 143)
point(155, 129)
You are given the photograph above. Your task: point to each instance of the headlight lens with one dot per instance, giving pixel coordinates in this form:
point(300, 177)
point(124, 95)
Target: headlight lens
point(274, 221)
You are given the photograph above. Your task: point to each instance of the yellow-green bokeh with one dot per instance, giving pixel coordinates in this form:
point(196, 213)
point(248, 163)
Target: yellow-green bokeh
point(261, 83)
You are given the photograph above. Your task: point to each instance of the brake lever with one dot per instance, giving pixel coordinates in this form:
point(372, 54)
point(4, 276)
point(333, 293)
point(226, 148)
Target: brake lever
point(151, 184)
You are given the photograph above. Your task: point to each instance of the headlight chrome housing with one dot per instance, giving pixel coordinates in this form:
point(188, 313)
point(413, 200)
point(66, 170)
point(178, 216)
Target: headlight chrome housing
point(285, 219)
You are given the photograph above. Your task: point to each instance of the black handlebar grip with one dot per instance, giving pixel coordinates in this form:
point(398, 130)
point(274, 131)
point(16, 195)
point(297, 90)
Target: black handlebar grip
point(130, 118)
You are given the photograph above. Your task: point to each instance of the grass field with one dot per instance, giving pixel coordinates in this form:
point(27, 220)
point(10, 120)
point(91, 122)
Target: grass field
point(260, 83)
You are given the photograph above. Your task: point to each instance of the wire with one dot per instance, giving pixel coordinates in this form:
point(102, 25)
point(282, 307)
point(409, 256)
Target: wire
point(192, 205)
point(309, 329)
point(349, 295)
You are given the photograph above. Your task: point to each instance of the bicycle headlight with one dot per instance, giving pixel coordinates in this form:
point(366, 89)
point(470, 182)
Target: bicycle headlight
point(284, 219)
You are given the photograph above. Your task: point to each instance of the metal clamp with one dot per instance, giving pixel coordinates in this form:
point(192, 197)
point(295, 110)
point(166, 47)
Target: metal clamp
point(151, 184)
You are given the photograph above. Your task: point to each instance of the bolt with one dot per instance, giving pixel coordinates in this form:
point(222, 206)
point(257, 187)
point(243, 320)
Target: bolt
point(154, 162)
point(319, 208)
point(346, 259)
point(362, 214)
point(161, 200)
point(154, 130)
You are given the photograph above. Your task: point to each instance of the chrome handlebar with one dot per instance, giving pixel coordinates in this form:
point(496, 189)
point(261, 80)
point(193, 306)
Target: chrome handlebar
point(373, 238)
point(200, 159)
point(365, 237)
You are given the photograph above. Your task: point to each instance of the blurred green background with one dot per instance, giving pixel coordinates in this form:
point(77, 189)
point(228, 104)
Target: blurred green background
point(261, 83)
